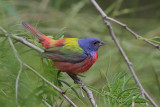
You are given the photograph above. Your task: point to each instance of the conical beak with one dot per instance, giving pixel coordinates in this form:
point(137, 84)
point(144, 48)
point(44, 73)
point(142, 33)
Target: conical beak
point(101, 43)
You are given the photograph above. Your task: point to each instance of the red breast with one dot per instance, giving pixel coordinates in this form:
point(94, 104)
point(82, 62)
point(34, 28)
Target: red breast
point(75, 68)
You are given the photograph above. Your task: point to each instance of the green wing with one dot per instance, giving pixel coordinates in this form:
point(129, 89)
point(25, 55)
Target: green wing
point(69, 52)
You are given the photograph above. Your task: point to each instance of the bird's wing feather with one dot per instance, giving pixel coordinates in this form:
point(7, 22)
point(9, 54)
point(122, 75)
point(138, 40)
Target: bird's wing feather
point(63, 50)
point(70, 51)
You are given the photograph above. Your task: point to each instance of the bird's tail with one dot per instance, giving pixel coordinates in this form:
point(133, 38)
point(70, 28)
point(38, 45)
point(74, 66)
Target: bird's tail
point(43, 39)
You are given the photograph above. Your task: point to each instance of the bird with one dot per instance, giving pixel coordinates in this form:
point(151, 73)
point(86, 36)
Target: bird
point(70, 55)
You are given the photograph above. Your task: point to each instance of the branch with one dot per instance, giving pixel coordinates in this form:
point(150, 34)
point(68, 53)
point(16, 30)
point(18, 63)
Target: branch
point(107, 23)
point(25, 42)
point(132, 32)
point(105, 17)
point(19, 60)
point(48, 82)
point(46, 103)
point(81, 83)
point(23, 64)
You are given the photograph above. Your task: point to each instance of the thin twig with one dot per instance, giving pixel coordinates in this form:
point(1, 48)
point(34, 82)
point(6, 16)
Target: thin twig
point(20, 69)
point(125, 57)
point(46, 103)
point(81, 83)
point(25, 42)
point(143, 92)
point(19, 60)
point(2, 90)
point(81, 92)
point(23, 64)
point(48, 82)
point(123, 25)
point(132, 32)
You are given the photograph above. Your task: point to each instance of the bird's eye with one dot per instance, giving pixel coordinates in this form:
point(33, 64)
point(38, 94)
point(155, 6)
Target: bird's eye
point(95, 43)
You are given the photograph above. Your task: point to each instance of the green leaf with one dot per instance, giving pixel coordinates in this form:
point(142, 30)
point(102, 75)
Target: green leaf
point(126, 90)
point(61, 36)
point(81, 75)
point(61, 103)
point(140, 100)
point(126, 82)
point(71, 87)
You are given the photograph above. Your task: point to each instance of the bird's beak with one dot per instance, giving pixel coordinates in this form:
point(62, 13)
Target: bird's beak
point(101, 43)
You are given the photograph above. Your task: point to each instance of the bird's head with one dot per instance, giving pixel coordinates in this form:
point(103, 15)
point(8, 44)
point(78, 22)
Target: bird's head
point(90, 44)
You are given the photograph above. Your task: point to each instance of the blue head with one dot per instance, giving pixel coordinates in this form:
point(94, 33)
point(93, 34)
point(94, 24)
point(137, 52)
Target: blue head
point(90, 44)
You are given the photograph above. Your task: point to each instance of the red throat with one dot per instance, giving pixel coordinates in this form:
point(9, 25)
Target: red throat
point(95, 57)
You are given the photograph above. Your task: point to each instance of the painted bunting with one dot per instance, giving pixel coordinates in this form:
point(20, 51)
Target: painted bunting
point(71, 55)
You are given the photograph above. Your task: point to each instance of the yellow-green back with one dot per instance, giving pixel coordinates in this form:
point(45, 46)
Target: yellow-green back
point(73, 45)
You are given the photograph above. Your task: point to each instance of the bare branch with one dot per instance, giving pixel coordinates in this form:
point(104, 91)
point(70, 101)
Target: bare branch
point(81, 92)
point(23, 64)
point(19, 60)
point(48, 82)
point(107, 23)
point(132, 32)
point(81, 83)
point(123, 25)
point(46, 103)
point(24, 41)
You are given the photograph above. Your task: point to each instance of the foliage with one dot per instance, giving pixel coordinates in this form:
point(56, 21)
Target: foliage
point(116, 94)
point(78, 19)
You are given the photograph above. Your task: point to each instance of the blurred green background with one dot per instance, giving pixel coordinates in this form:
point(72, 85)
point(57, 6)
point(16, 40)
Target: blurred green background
point(79, 19)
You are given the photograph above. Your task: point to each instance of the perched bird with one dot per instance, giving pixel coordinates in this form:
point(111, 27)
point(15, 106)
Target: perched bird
point(71, 55)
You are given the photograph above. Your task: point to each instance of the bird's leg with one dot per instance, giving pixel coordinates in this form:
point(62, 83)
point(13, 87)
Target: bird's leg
point(78, 81)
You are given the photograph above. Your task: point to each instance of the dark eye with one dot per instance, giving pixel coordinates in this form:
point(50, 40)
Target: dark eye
point(95, 43)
